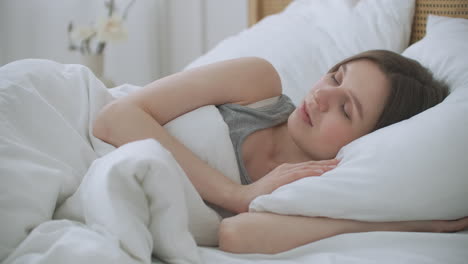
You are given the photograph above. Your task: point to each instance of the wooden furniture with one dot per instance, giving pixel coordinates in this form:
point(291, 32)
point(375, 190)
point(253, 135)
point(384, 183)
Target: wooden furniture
point(259, 9)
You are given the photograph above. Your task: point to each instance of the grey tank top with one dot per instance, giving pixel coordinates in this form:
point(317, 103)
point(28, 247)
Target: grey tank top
point(244, 120)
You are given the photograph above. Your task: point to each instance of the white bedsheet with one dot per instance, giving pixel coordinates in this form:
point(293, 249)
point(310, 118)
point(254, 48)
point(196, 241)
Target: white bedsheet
point(119, 206)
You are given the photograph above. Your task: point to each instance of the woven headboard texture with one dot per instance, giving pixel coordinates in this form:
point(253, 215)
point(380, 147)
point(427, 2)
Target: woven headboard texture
point(259, 9)
point(450, 8)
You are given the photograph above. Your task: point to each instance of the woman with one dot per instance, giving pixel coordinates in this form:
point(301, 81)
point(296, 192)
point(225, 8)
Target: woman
point(282, 143)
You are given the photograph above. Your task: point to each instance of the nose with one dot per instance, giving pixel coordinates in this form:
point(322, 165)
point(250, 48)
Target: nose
point(326, 97)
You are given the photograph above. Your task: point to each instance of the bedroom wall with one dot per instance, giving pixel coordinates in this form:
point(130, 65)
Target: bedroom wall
point(2, 33)
point(164, 35)
point(38, 29)
point(196, 26)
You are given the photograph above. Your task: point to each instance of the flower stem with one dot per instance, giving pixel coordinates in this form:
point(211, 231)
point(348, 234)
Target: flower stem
point(111, 7)
point(125, 13)
point(100, 47)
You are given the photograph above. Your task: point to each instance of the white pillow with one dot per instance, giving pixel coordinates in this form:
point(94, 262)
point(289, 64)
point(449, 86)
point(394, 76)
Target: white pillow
point(310, 36)
point(415, 169)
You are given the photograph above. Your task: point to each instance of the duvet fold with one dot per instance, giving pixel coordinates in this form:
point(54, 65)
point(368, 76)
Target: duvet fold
point(136, 193)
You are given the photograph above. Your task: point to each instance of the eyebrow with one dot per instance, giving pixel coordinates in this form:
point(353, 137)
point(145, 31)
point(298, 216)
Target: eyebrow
point(357, 103)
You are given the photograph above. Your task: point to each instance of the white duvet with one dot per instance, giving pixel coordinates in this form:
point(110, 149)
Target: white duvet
point(67, 197)
point(62, 187)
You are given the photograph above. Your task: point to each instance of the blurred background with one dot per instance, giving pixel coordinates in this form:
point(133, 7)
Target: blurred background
point(162, 36)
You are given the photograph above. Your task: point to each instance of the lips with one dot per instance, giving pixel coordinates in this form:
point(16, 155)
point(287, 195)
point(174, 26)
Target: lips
point(305, 114)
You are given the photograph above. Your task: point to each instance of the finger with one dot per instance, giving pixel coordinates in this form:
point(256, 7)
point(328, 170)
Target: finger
point(325, 165)
point(310, 167)
point(302, 173)
point(330, 167)
point(462, 224)
point(323, 162)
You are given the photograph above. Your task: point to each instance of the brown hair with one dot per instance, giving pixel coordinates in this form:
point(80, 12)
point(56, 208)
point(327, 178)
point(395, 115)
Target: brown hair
point(413, 88)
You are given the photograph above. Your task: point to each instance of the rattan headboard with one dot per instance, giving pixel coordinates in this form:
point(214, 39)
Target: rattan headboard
point(259, 9)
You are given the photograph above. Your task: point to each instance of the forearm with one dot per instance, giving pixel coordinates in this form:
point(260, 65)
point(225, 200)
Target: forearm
point(272, 233)
point(121, 123)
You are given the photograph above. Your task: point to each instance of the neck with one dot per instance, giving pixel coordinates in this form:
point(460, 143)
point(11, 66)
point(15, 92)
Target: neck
point(284, 149)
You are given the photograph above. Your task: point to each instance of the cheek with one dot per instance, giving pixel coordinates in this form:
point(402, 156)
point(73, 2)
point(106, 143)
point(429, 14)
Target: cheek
point(335, 134)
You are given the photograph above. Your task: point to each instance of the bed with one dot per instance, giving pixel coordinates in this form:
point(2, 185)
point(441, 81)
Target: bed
point(68, 197)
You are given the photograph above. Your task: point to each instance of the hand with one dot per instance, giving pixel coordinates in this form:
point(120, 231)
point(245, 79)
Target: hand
point(435, 226)
point(282, 175)
point(449, 226)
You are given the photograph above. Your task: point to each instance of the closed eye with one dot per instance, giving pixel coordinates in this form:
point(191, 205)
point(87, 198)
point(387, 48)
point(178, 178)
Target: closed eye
point(344, 111)
point(333, 77)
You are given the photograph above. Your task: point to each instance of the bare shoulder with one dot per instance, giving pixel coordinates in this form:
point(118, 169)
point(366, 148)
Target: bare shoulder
point(264, 81)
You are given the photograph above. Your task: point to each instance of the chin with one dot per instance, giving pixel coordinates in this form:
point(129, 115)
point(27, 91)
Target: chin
point(309, 145)
point(300, 138)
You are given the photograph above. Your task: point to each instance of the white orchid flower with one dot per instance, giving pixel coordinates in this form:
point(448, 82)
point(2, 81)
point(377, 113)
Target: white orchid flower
point(111, 29)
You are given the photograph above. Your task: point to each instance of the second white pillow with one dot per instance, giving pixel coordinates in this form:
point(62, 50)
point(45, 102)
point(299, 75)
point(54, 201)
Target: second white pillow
point(309, 37)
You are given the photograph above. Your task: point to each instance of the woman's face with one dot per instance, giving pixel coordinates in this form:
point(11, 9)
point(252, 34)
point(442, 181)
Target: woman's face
point(340, 107)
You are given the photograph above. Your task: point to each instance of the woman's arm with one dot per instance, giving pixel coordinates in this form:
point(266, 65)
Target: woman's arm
point(142, 114)
point(240, 81)
point(272, 233)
